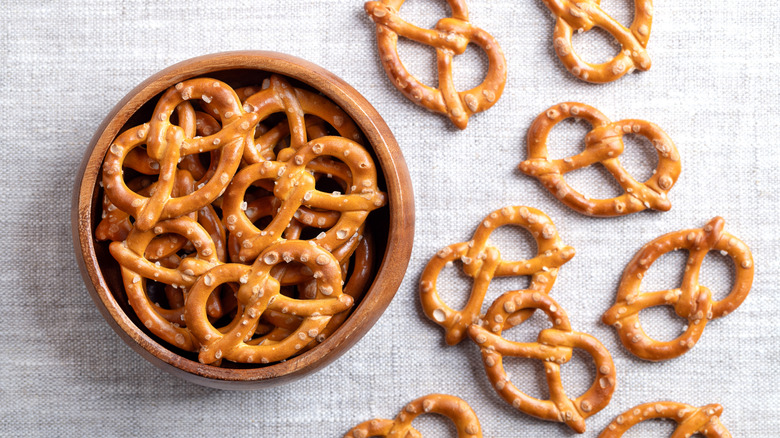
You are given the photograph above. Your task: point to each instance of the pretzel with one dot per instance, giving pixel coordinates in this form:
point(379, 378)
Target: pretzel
point(294, 185)
point(690, 420)
point(582, 16)
point(277, 95)
point(449, 37)
point(167, 143)
point(452, 407)
point(691, 301)
point(259, 291)
point(603, 144)
point(554, 347)
point(136, 269)
point(483, 262)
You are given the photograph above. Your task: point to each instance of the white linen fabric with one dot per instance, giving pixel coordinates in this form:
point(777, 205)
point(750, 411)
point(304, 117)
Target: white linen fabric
point(713, 87)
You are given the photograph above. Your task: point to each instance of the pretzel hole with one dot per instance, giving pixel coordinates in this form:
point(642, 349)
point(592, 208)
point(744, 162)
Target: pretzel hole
point(666, 272)
point(639, 157)
point(470, 68)
point(662, 323)
point(156, 293)
point(578, 374)
point(653, 427)
point(596, 46)
point(424, 14)
point(567, 139)
point(435, 425)
point(528, 330)
point(419, 60)
point(514, 243)
point(453, 286)
point(718, 274)
point(528, 375)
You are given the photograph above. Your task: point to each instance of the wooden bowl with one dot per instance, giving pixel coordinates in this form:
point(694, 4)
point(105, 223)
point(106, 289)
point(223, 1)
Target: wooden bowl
point(393, 226)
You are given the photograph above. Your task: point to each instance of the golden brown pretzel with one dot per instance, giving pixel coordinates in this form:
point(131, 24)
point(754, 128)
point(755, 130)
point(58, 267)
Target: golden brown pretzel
point(582, 15)
point(691, 301)
point(690, 420)
point(294, 185)
point(259, 291)
point(136, 269)
point(553, 347)
point(452, 407)
point(166, 143)
point(603, 145)
point(483, 262)
point(450, 37)
point(277, 95)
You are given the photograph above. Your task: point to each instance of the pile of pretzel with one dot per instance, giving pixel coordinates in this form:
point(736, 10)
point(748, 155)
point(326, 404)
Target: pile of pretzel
point(238, 218)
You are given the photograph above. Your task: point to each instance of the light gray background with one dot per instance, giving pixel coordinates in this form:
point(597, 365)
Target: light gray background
point(714, 87)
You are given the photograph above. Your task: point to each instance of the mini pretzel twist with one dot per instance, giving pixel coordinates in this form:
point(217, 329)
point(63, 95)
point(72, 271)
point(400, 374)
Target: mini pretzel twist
point(553, 347)
point(691, 301)
point(449, 37)
point(137, 268)
point(582, 15)
point(294, 185)
point(259, 291)
point(690, 420)
point(167, 143)
point(603, 145)
point(483, 262)
point(276, 95)
point(452, 407)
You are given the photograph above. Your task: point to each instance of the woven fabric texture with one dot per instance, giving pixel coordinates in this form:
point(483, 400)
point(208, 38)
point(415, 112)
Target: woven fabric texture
point(713, 87)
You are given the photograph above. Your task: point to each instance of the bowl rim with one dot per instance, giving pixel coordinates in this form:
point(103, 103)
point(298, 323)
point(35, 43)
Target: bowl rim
point(390, 272)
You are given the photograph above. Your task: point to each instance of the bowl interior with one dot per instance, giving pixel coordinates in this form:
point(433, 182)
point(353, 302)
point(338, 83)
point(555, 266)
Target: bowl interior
point(389, 226)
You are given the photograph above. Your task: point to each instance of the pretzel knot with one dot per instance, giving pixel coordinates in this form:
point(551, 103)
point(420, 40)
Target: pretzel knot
point(690, 420)
point(167, 143)
point(450, 37)
point(483, 262)
point(692, 300)
point(553, 347)
point(582, 15)
point(260, 291)
point(603, 145)
point(452, 407)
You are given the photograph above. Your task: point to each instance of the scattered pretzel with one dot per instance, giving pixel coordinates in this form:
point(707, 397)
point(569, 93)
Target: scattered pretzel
point(603, 145)
point(554, 347)
point(482, 262)
point(692, 300)
point(452, 407)
point(571, 15)
point(450, 37)
point(690, 420)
